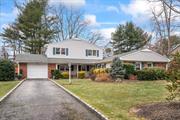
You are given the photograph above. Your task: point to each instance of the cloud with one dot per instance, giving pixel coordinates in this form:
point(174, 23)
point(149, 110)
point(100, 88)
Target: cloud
point(106, 32)
point(113, 9)
point(68, 3)
point(91, 19)
point(140, 10)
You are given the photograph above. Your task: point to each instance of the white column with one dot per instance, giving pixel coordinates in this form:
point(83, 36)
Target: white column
point(77, 70)
point(140, 65)
point(166, 66)
point(69, 73)
point(18, 69)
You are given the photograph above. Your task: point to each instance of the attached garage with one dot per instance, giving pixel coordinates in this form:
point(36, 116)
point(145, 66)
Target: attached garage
point(37, 71)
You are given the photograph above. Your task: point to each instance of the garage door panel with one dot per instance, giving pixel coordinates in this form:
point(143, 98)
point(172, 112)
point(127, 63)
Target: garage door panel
point(37, 71)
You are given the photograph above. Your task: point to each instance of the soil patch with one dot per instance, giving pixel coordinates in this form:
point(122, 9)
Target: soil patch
point(159, 111)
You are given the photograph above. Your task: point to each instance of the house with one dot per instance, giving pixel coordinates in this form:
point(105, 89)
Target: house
point(76, 55)
point(140, 58)
point(176, 49)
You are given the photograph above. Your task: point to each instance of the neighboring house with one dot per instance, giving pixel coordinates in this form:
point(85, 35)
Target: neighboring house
point(140, 58)
point(176, 49)
point(76, 55)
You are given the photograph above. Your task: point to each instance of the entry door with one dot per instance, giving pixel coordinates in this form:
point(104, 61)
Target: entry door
point(37, 71)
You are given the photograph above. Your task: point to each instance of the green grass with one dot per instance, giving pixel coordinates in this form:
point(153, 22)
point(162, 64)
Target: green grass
point(115, 99)
point(6, 86)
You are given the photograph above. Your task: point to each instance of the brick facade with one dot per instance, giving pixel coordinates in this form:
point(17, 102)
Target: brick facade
point(160, 64)
point(50, 68)
point(23, 67)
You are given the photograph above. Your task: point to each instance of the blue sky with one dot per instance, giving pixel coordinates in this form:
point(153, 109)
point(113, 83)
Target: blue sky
point(104, 15)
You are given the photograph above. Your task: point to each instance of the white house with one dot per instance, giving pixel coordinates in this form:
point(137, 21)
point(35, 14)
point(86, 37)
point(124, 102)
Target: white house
point(79, 55)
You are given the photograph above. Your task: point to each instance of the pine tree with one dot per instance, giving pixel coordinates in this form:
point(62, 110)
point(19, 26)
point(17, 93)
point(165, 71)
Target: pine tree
point(117, 69)
point(128, 37)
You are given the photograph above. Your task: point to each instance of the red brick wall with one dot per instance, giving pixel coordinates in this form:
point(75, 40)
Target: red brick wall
point(160, 64)
point(23, 67)
point(51, 67)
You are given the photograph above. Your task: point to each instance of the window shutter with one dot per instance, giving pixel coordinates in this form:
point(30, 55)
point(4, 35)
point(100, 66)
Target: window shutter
point(86, 52)
point(67, 52)
point(54, 50)
point(97, 53)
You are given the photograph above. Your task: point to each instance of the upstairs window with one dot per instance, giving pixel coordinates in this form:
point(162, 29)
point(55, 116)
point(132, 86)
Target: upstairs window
point(60, 51)
point(92, 52)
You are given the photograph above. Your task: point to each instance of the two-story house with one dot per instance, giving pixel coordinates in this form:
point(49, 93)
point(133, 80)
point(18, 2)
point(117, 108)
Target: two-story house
point(70, 55)
point(79, 55)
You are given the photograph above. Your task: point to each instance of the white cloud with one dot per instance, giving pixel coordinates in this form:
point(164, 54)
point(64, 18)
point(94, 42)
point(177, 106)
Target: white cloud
point(68, 3)
point(113, 9)
point(140, 10)
point(106, 32)
point(91, 19)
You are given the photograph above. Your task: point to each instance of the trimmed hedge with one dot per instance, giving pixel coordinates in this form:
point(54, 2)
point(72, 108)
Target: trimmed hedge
point(56, 74)
point(151, 74)
point(129, 70)
point(7, 70)
point(81, 74)
point(65, 75)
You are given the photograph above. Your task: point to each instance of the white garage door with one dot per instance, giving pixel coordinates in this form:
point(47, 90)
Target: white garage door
point(37, 71)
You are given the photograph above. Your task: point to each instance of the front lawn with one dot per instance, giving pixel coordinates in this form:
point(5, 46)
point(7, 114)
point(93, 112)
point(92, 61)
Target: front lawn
point(6, 86)
point(115, 99)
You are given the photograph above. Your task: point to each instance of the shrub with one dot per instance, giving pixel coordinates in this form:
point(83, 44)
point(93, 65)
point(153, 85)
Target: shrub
point(100, 70)
point(129, 70)
point(7, 70)
point(92, 77)
point(117, 70)
point(19, 76)
point(56, 74)
point(103, 77)
point(174, 78)
point(151, 74)
point(81, 74)
point(65, 75)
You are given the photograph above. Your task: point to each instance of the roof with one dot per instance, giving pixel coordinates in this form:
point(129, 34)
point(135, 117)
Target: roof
point(35, 58)
point(31, 58)
point(145, 55)
point(177, 46)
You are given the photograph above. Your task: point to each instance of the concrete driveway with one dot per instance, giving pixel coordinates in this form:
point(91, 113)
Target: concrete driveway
point(42, 100)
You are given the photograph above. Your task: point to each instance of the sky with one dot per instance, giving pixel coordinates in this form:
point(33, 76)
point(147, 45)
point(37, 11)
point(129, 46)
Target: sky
point(104, 15)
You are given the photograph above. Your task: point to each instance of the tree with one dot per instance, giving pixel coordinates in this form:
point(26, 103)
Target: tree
point(128, 37)
point(71, 24)
point(32, 28)
point(174, 78)
point(161, 46)
point(7, 70)
point(165, 19)
point(117, 69)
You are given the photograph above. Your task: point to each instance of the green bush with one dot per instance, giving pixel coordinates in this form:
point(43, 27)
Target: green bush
point(117, 70)
point(151, 74)
point(65, 75)
point(81, 74)
point(7, 70)
point(56, 74)
point(129, 70)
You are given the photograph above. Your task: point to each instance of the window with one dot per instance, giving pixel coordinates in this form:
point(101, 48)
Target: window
point(150, 65)
point(138, 65)
point(57, 51)
point(62, 51)
point(92, 52)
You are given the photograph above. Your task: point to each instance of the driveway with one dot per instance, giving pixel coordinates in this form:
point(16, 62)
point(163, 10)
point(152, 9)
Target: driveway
point(42, 100)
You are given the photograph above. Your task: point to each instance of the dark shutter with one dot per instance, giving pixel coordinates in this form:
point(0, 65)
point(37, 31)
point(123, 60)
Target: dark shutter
point(54, 50)
point(67, 52)
point(97, 53)
point(86, 52)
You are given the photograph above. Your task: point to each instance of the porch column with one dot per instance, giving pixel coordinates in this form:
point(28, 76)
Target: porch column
point(140, 65)
point(77, 70)
point(166, 66)
point(18, 69)
point(69, 73)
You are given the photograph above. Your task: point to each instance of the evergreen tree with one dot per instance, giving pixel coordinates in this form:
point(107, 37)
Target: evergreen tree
point(128, 37)
point(117, 69)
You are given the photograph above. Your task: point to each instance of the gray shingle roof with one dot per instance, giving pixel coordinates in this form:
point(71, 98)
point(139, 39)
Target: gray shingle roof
point(139, 55)
point(31, 58)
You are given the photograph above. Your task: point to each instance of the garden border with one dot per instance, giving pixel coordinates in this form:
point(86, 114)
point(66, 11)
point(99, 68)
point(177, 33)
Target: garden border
point(89, 107)
point(12, 90)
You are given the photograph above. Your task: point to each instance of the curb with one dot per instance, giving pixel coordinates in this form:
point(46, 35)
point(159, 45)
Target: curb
point(89, 107)
point(12, 90)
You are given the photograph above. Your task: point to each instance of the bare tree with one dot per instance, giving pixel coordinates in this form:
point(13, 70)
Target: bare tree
point(165, 21)
point(174, 5)
point(69, 23)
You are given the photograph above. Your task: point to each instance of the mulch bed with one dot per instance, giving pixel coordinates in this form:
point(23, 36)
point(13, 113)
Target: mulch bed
point(159, 111)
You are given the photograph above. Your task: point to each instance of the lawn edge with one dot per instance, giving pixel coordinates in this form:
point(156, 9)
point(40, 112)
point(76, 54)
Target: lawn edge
point(88, 106)
point(12, 90)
